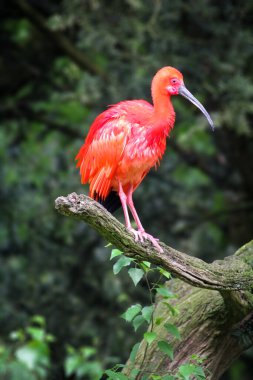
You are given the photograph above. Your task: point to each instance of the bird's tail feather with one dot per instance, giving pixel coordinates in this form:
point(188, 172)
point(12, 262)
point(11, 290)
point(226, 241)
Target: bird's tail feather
point(112, 202)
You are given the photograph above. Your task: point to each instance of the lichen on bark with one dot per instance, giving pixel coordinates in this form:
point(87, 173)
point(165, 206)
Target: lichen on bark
point(215, 300)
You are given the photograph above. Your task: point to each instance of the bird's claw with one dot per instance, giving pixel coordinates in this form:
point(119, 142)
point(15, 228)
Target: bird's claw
point(140, 235)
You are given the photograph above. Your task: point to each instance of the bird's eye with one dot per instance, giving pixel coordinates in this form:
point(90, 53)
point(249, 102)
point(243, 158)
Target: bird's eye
point(174, 81)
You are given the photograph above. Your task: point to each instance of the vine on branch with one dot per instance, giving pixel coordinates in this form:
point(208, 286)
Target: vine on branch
point(138, 315)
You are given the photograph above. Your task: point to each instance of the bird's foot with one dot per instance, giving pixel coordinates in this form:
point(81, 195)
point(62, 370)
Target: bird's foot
point(141, 235)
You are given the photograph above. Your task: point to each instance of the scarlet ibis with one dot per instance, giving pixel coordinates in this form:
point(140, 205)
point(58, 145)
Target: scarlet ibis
point(126, 141)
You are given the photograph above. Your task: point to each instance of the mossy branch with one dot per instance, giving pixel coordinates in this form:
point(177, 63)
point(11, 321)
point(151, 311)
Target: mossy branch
point(233, 273)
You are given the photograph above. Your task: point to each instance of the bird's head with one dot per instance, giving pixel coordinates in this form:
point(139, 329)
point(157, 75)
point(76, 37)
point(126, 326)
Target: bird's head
point(169, 81)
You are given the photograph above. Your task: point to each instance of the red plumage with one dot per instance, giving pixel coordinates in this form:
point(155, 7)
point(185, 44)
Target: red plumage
point(126, 141)
point(123, 143)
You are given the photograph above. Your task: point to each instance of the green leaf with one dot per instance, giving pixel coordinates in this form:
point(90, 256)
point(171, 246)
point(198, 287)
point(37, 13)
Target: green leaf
point(115, 375)
point(116, 367)
point(147, 312)
point(197, 358)
point(199, 373)
point(71, 364)
point(136, 275)
point(166, 348)
point(150, 336)
point(186, 370)
point(28, 356)
point(131, 312)
point(165, 273)
point(159, 320)
point(92, 370)
point(145, 265)
point(168, 377)
point(174, 311)
point(39, 319)
point(36, 333)
point(134, 352)
point(138, 321)
point(134, 373)
point(122, 262)
point(165, 292)
point(173, 330)
point(87, 352)
point(115, 252)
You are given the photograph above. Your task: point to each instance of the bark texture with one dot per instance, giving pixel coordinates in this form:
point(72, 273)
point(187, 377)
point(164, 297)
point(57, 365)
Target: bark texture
point(209, 328)
point(215, 301)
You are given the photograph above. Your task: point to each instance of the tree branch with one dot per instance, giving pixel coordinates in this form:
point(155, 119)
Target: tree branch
point(208, 330)
point(233, 273)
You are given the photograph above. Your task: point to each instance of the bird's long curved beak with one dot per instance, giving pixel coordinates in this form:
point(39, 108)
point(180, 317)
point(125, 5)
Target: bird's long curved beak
point(188, 95)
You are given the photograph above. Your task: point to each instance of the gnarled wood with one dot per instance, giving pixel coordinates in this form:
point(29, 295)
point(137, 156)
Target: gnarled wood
point(221, 275)
point(208, 327)
point(217, 326)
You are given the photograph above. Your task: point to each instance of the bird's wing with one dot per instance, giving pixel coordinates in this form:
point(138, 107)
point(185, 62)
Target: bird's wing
point(100, 155)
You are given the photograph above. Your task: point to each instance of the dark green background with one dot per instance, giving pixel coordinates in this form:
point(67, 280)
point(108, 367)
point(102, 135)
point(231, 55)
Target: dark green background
point(200, 198)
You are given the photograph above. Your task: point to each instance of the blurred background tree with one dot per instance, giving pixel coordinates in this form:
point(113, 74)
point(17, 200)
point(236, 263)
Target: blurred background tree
point(61, 63)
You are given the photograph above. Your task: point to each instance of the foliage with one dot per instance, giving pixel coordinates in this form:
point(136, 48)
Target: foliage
point(30, 359)
point(200, 198)
point(80, 363)
point(137, 315)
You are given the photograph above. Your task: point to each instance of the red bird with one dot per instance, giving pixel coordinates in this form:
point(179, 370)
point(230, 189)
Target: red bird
point(126, 141)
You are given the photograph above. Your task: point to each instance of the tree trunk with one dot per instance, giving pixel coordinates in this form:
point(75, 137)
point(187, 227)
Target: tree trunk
point(210, 328)
point(215, 301)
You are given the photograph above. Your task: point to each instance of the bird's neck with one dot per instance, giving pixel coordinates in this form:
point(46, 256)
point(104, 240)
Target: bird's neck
point(163, 110)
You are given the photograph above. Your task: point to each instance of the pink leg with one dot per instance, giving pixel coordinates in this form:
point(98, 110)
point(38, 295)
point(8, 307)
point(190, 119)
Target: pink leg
point(133, 210)
point(140, 234)
point(123, 199)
